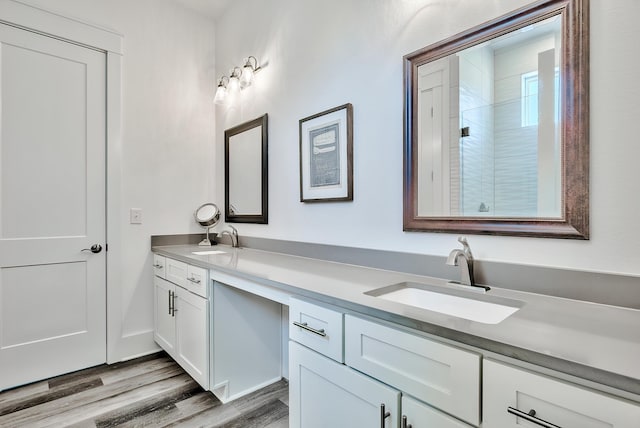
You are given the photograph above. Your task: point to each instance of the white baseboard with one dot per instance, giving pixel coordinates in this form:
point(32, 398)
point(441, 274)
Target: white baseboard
point(222, 389)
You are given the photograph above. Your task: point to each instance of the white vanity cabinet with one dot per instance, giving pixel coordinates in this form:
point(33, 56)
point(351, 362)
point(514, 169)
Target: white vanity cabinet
point(164, 330)
point(417, 380)
point(443, 376)
point(514, 397)
point(348, 369)
point(192, 335)
point(181, 315)
point(324, 393)
point(318, 328)
point(416, 414)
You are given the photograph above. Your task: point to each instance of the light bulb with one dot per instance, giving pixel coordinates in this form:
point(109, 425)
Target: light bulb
point(221, 95)
point(247, 76)
point(234, 85)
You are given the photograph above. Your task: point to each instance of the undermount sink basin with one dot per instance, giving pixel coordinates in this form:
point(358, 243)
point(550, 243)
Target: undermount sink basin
point(484, 308)
point(208, 252)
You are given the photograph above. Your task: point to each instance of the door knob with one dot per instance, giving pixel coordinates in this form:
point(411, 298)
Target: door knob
point(95, 248)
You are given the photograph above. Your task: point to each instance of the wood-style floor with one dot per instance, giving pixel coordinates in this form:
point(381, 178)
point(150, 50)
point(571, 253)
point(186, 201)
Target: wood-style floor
point(151, 391)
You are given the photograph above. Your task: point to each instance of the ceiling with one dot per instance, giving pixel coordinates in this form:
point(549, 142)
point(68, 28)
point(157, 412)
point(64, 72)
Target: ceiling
point(210, 8)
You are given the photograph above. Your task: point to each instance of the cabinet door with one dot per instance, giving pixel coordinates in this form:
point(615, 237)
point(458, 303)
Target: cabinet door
point(448, 378)
point(419, 415)
point(507, 390)
point(324, 393)
point(192, 335)
point(164, 331)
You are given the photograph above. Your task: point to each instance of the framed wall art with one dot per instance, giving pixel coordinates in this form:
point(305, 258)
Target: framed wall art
point(326, 156)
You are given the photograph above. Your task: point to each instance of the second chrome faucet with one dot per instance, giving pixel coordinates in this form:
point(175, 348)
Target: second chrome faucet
point(466, 265)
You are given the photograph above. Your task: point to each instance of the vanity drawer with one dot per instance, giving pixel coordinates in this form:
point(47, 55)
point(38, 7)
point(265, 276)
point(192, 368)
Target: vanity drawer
point(317, 327)
point(445, 377)
point(159, 265)
point(197, 280)
point(176, 272)
point(507, 390)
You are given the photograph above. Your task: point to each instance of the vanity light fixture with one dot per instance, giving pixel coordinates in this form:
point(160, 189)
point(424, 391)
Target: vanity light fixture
point(239, 78)
point(248, 71)
point(221, 92)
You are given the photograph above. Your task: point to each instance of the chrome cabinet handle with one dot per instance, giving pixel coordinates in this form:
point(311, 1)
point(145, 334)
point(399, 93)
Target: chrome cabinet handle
point(173, 304)
point(383, 415)
point(531, 417)
point(195, 281)
point(157, 266)
point(404, 422)
point(305, 326)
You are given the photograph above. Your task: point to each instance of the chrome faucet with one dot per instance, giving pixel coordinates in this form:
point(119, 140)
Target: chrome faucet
point(467, 267)
point(233, 234)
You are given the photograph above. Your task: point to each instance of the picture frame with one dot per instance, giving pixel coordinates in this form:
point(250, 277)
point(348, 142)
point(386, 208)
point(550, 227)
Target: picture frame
point(326, 155)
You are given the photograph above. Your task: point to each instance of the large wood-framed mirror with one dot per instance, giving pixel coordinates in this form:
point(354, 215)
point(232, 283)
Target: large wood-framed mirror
point(246, 172)
point(496, 127)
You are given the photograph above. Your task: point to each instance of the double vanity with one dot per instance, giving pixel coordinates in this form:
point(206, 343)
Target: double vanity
point(370, 347)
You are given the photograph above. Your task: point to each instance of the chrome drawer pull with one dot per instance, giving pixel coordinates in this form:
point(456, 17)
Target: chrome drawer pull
point(195, 281)
point(305, 326)
point(157, 266)
point(404, 422)
point(170, 302)
point(531, 417)
point(383, 415)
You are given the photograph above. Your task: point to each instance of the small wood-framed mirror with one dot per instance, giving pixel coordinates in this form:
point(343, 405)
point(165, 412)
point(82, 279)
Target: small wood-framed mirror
point(246, 172)
point(496, 127)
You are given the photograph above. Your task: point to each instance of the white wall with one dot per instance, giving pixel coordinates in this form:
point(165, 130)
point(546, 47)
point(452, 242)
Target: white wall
point(324, 54)
point(321, 55)
point(168, 135)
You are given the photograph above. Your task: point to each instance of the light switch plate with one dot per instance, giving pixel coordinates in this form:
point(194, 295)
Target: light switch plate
point(135, 216)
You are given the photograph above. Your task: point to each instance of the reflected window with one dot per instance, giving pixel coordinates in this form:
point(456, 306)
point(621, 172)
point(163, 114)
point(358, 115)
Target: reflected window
point(529, 97)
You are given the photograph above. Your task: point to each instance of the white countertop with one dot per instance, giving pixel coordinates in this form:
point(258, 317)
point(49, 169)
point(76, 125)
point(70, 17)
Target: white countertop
point(596, 342)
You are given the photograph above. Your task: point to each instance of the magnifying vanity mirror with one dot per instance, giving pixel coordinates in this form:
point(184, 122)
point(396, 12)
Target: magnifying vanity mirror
point(496, 127)
point(207, 215)
point(246, 172)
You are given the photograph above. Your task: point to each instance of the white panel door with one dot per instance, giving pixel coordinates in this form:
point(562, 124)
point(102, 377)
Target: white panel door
point(433, 150)
point(52, 205)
